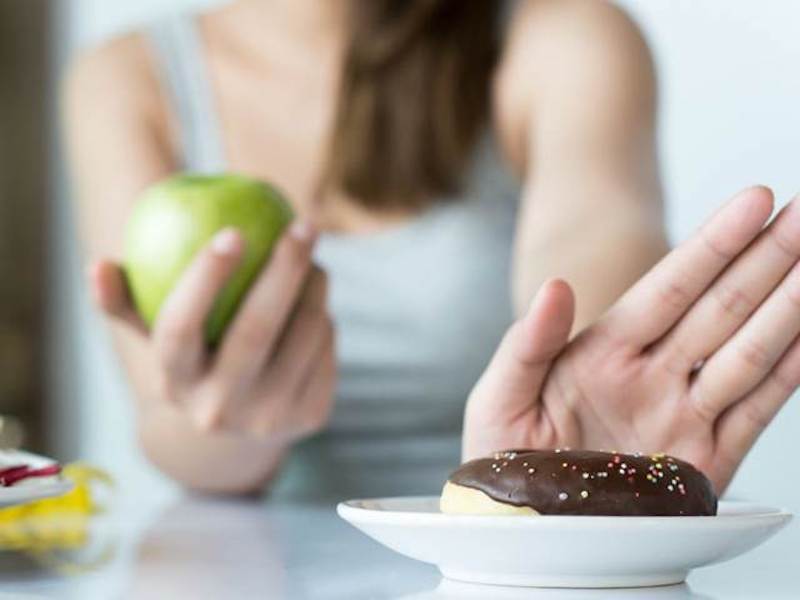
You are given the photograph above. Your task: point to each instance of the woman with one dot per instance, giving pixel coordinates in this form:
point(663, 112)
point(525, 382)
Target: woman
point(446, 159)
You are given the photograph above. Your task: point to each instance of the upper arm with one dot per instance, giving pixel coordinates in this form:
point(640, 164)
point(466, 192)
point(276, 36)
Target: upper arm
point(576, 107)
point(577, 83)
point(115, 136)
point(116, 145)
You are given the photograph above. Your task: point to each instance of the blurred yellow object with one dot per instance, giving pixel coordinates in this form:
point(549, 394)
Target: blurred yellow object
point(44, 528)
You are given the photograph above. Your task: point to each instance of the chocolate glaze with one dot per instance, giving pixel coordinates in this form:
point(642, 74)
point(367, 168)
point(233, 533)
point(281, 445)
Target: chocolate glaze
point(585, 482)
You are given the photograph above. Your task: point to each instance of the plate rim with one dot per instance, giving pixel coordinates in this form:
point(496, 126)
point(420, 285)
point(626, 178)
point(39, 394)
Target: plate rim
point(354, 511)
point(428, 537)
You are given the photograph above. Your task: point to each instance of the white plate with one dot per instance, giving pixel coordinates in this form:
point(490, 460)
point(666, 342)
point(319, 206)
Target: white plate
point(35, 488)
point(562, 551)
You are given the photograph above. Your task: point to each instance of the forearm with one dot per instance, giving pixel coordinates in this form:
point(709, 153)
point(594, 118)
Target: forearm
point(585, 140)
point(600, 260)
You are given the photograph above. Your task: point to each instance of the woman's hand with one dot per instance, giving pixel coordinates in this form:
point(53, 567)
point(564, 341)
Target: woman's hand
point(273, 374)
point(694, 360)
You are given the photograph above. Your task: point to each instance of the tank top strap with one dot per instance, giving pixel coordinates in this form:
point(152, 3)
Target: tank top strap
point(184, 75)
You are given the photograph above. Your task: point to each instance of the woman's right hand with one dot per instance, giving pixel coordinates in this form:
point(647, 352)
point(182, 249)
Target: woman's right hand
point(273, 375)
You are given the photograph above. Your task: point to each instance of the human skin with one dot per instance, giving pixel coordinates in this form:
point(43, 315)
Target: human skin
point(590, 213)
point(695, 360)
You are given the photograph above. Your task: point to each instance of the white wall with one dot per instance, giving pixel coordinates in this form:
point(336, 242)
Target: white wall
point(730, 86)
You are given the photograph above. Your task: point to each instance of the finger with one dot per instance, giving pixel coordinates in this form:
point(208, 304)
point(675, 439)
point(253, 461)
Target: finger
point(737, 293)
point(518, 369)
point(110, 293)
point(739, 427)
point(751, 354)
point(260, 320)
point(308, 331)
point(652, 306)
point(300, 408)
point(287, 370)
point(179, 330)
point(315, 400)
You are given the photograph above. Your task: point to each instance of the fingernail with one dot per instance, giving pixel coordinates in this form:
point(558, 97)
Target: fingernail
point(226, 242)
point(302, 230)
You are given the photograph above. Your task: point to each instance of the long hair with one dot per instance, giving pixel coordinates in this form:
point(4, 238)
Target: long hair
point(414, 96)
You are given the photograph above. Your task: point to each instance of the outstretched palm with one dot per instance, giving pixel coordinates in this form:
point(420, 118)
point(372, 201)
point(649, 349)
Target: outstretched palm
point(694, 360)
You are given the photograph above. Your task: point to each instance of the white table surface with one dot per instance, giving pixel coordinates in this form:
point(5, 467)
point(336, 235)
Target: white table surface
point(201, 549)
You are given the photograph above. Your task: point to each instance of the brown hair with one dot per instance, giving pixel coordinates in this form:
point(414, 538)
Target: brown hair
point(414, 95)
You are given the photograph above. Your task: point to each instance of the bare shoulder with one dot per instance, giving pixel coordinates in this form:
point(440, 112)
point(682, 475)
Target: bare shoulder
point(560, 48)
point(118, 137)
point(550, 35)
point(117, 76)
point(567, 20)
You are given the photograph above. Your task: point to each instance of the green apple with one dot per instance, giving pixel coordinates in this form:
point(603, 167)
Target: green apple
point(179, 216)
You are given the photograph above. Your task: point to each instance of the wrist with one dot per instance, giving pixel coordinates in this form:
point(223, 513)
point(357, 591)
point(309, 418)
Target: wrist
point(215, 463)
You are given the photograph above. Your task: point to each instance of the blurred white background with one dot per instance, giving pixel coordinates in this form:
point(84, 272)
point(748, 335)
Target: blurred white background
point(729, 87)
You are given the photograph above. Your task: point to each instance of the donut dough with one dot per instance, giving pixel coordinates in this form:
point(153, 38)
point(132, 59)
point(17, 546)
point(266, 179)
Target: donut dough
point(462, 500)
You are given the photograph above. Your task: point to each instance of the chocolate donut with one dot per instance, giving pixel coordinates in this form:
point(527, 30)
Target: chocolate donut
point(578, 482)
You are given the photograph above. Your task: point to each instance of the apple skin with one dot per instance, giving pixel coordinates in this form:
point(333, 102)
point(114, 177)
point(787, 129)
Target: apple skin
point(177, 217)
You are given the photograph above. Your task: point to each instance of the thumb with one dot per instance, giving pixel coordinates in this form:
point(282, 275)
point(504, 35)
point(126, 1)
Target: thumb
point(544, 330)
point(511, 385)
point(110, 293)
point(527, 350)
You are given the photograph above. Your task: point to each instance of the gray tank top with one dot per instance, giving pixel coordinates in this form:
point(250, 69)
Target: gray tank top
point(419, 308)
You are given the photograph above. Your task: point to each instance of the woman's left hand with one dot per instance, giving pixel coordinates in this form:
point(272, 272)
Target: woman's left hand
point(695, 360)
